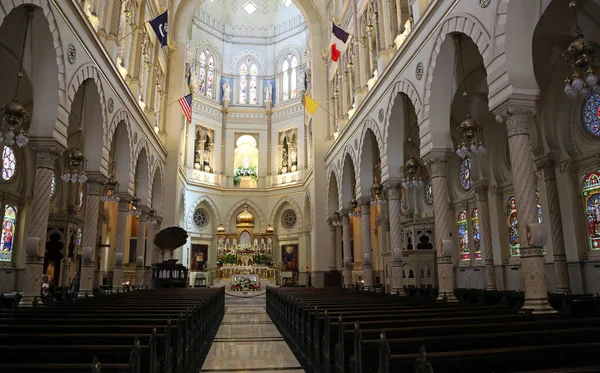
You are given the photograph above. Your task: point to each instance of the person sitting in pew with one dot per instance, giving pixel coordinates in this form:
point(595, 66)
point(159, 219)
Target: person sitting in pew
point(47, 290)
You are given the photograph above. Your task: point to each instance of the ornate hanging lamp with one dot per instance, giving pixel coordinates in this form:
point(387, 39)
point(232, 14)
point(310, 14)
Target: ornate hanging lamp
point(470, 132)
point(412, 170)
point(110, 191)
point(580, 54)
point(14, 114)
point(134, 207)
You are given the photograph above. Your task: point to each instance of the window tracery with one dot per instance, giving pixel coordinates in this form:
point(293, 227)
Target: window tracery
point(9, 163)
point(289, 77)
point(591, 115)
point(9, 224)
point(463, 235)
point(248, 82)
point(200, 218)
point(476, 235)
point(464, 174)
point(428, 192)
point(591, 200)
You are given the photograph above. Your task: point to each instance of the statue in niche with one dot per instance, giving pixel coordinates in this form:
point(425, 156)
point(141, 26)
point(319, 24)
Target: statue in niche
point(284, 158)
point(207, 157)
point(269, 92)
point(226, 91)
point(255, 243)
point(269, 246)
point(262, 245)
point(234, 244)
point(227, 245)
point(246, 161)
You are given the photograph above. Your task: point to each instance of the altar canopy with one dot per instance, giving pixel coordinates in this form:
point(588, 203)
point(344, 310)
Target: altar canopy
point(245, 252)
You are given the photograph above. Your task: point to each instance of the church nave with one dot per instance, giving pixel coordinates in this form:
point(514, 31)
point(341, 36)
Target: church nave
point(248, 341)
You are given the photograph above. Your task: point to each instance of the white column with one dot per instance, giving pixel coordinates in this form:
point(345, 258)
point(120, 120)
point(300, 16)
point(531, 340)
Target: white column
point(347, 249)
point(532, 258)
point(548, 166)
point(485, 234)
point(122, 213)
point(365, 218)
point(90, 232)
point(439, 184)
point(332, 247)
point(38, 225)
point(140, 247)
point(394, 202)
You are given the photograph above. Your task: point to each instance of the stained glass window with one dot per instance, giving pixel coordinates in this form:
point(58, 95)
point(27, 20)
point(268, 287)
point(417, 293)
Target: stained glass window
point(8, 230)
point(202, 74)
point(476, 236)
point(211, 77)
point(243, 84)
point(512, 221)
point(53, 186)
point(463, 236)
point(9, 163)
point(253, 85)
point(428, 192)
point(78, 240)
point(591, 200)
point(289, 77)
point(538, 206)
point(464, 174)
point(286, 80)
point(591, 115)
point(293, 77)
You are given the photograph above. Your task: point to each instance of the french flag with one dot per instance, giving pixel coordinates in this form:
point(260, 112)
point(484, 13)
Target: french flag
point(340, 40)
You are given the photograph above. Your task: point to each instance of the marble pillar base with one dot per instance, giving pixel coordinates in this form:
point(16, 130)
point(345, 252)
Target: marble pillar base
point(139, 276)
point(148, 278)
point(347, 274)
point(87, 278)
point(117, 276)
point(534, 279)
point(490, 275)
point(368, 277)
point(33, 279)
point(446, 279)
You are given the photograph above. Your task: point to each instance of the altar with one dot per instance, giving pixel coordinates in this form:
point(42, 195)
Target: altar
point(234, 271)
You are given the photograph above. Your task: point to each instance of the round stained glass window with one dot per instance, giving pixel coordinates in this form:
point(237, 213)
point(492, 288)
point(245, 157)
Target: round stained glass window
point(464, 174)
point(9, 163)
point(200, 218)
point(428, 192)
point(591, 115)
point(53, 185)
point(288, 219)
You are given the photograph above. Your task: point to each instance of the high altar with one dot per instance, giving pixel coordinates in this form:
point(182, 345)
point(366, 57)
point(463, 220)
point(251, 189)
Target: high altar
point(245, 252)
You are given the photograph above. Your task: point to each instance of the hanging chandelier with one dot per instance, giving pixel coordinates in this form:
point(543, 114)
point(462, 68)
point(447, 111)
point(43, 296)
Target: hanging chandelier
point(14, 114)
point(412, 174)
point(133, 207)
point(377, 193)
point(580, 54)
point(353, 207)
point(470, 132)
point(337, 219)
point(110, 191)
point(152, 217)
point(75, 171)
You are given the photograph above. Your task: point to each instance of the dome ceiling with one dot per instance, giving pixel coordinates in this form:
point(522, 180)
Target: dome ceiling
point(250, 12)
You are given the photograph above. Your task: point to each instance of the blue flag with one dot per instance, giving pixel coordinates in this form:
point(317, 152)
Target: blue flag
point(160, 26)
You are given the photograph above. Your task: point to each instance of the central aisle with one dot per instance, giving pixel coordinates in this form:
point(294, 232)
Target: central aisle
point(248, 341)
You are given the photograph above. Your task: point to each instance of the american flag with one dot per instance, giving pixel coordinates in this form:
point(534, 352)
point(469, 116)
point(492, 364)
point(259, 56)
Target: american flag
point(186, 106)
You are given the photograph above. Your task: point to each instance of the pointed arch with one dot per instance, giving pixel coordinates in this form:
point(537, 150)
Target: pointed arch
point(260, 227)
point(406, 87)
point(279, 206)
point(189, 219)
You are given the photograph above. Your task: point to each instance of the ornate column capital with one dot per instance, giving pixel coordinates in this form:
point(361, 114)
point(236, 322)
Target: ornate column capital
point(516, 118)
point(364, 201)
point(124, 203)
point(95, 183)
point(437, 162)
point(47, 152)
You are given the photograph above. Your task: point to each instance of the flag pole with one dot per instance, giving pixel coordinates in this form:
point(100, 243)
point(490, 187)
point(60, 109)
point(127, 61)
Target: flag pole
point(139, 27)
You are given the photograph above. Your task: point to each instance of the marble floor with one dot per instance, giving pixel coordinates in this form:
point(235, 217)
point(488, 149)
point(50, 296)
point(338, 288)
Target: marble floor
point(248, 341)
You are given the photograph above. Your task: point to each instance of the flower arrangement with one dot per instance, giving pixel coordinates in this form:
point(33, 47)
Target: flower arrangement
point(245, 283)
point(260, 259)
point(244, 171)
point(229, 259)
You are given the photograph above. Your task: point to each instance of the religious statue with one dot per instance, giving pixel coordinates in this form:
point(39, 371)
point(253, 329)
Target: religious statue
point(269, 92)
point(226, 91)
point(255, 243)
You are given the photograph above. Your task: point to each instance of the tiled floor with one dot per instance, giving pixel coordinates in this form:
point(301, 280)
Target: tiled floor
point(247, 341)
